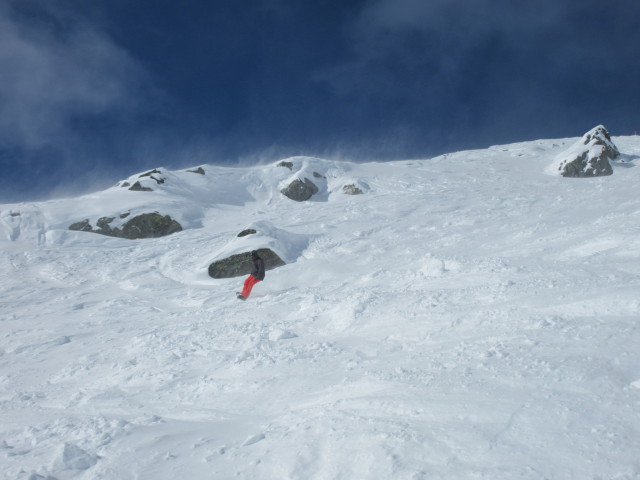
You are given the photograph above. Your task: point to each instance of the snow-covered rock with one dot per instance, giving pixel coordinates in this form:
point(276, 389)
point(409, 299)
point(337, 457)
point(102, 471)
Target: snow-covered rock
point(300, 190)
point(588, 157)
point(73, 457)
point(145, 225)
point(306, 181)
point(352, 189)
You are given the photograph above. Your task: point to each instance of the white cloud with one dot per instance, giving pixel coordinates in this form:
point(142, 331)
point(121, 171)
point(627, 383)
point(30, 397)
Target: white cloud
point(56, 68)
point(391, 39)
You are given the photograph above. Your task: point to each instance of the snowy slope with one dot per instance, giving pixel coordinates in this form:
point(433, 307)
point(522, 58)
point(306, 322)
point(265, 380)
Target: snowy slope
point(468, 316)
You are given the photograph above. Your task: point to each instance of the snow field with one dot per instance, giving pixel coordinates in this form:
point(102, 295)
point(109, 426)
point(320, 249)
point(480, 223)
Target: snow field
point(468, 317)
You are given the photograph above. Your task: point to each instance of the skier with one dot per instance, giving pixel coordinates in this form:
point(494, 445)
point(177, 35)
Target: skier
point(257, 275)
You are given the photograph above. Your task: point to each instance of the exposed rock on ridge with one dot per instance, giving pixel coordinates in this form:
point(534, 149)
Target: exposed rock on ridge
point(589, 157)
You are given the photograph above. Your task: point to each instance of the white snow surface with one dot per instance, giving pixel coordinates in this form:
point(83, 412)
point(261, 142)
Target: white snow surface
point(468, 316)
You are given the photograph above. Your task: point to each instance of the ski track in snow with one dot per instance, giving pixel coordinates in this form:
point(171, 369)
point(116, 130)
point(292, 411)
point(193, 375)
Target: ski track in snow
point(467, 317)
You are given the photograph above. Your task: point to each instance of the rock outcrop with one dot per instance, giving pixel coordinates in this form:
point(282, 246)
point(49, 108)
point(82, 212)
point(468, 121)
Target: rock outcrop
point(137, 187)
point(150, 225)
point(146, 225)
point(154, 175)
point(82, 226)
point(288, 165)
point(300, 190)
point(589, 157)
point(240, 264)
point(248, 231)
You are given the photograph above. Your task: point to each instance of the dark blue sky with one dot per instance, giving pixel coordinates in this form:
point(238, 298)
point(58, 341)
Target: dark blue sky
point(94, 91)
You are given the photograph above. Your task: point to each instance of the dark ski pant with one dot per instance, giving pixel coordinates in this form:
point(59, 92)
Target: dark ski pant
point(248, 285)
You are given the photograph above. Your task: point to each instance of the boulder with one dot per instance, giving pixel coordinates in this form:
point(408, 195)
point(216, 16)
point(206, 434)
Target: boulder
point(589, 157)
point(146, 225)
point(198, 170)
point(150, 225)
point(299, 190)
point(248, 231)
point(240, 264)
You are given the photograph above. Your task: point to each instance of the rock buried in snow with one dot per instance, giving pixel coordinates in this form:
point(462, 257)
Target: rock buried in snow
point(146, 225)
point(75, 458)
point(299, 190)
point(279, 334)
point(352, 190)
point(240, 264)
point(61, 340)
point(254, 439)
point(35, 476)
point(589, 157)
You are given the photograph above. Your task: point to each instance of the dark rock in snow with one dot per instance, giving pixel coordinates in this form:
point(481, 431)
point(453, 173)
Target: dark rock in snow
point(146, 225)
point(103, 223)
point(288, 165)
point(198, 170)
point(150, 173)
point(352, 190)
point(150, 225)
point(590, 156)
point(248, 231)
point(299, 190)
point(83, 226)
point(240, 264)
point(137, 187)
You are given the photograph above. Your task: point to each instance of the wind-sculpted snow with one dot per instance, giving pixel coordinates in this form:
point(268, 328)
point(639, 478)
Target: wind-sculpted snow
point(468, 316)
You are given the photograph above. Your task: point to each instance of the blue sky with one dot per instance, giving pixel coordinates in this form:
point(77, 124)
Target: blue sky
point(91, 92)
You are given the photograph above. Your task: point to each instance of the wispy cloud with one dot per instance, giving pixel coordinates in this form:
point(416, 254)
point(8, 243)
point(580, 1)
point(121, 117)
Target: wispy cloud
point(492, 68)
point(434, 39)
point(56, 67)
